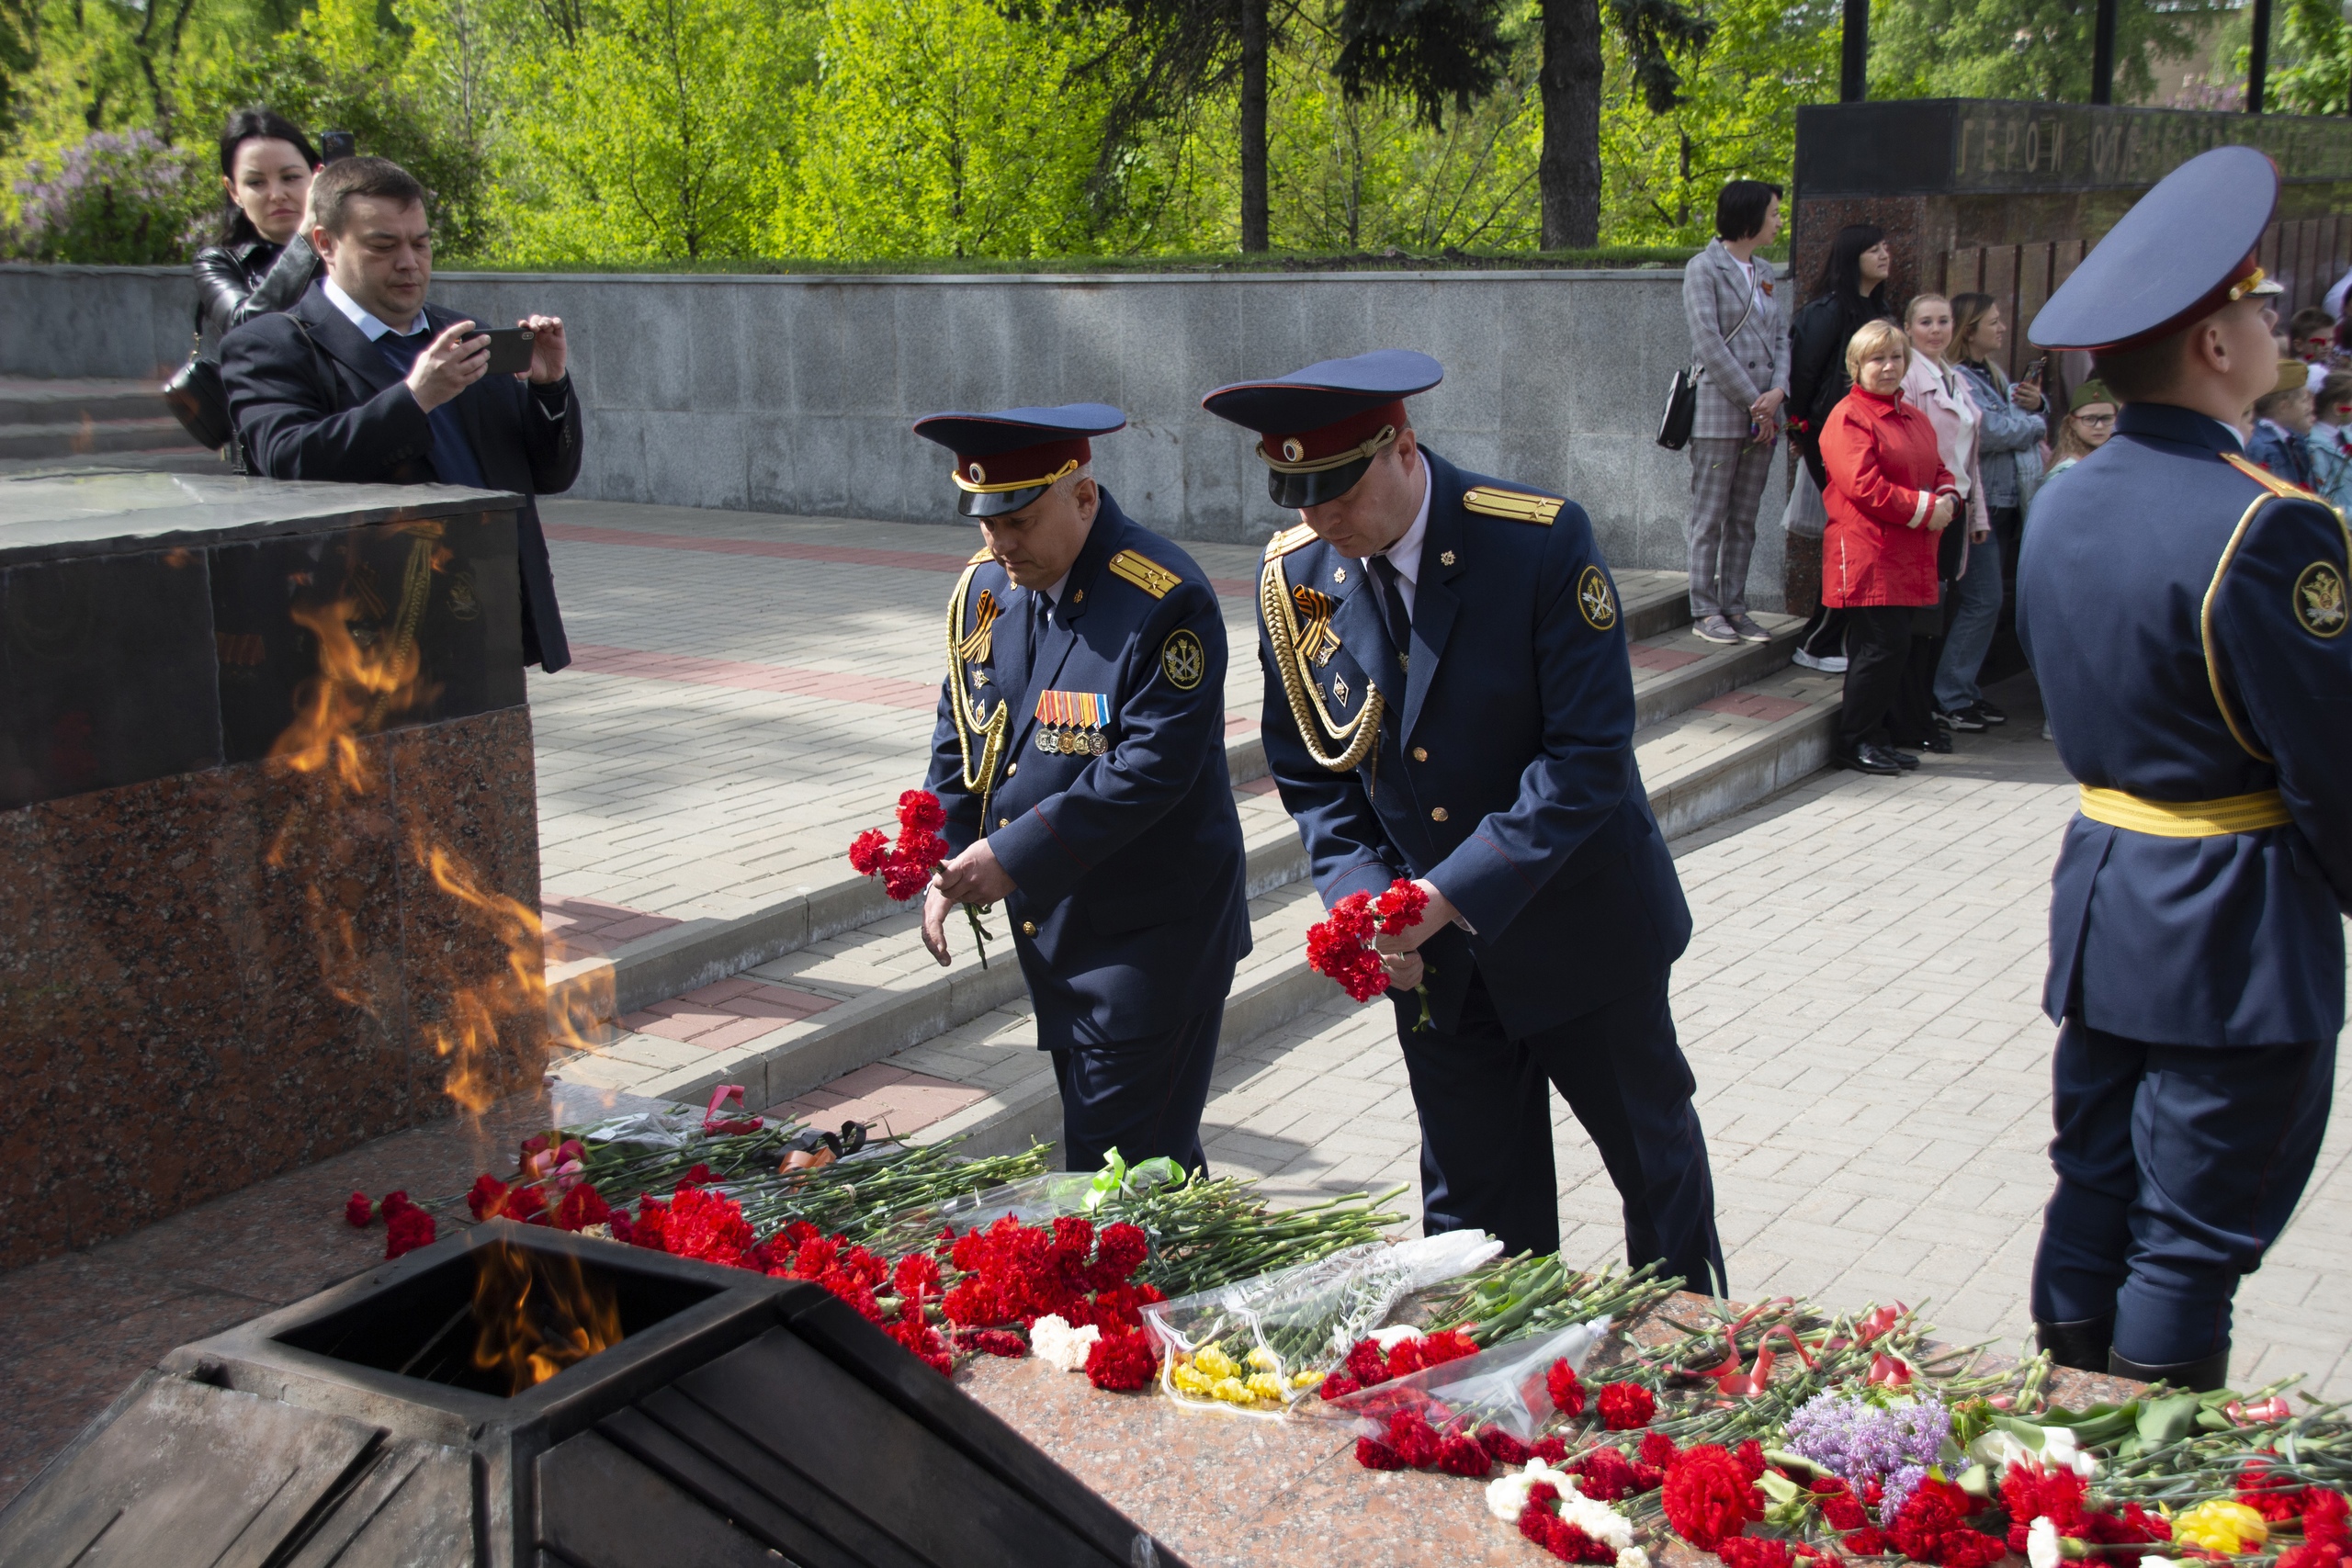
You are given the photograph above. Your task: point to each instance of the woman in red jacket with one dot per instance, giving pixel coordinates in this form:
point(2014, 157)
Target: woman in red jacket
point(1889, 496)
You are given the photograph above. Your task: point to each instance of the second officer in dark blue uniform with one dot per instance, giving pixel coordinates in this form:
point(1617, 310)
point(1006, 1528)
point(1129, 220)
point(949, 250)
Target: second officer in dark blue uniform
point(2185, 613)
point(1449, 698)
point(1081, 755)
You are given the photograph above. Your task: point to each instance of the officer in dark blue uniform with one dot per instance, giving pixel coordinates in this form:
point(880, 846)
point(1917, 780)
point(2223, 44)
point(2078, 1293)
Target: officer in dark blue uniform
point(2185, 615)
point(1449, 698)
point(1081, 756)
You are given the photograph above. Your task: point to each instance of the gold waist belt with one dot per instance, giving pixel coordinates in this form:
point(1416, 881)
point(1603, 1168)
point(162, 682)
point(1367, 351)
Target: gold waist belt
point(2185, 818)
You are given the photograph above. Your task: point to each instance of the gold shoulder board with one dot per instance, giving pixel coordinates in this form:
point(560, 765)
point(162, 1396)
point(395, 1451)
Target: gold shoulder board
point(978, 556)
point(1515, 505)
point(1289, 539)
point(1148, 575)
point(2283, 489)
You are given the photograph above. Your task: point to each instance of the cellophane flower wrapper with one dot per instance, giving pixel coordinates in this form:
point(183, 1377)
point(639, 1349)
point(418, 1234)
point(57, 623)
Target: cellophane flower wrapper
point(1501, 1386)
point(1277, 1333)
point(1033, 1200)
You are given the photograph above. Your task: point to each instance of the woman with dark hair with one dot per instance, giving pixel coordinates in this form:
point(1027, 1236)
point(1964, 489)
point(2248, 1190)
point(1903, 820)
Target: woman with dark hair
point(1851, 291)
point(259, 262)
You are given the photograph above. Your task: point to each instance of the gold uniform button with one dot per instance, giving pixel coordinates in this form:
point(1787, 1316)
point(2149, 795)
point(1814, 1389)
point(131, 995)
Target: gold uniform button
point(1437, 813)
point(1421, 754)
point(1012, 769)
point(1004, 821)
point(1028, 928)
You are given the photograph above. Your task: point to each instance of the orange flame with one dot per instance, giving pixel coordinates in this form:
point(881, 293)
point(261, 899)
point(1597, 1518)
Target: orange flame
point(472, 1033)
point(535, 1315)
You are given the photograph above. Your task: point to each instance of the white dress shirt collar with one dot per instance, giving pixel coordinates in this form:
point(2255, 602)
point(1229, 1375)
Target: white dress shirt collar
point(364, 319)
point(1405, 554)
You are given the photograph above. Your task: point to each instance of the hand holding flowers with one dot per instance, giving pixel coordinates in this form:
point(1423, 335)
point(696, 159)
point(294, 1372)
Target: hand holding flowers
point(1341, 944)
point(909, 866)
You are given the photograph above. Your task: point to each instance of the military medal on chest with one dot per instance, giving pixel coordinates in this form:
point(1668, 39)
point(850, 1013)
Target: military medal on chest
point(1071, 723)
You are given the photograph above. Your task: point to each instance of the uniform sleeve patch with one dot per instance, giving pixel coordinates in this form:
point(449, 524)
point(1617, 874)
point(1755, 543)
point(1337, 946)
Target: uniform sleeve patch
point(1182, 659)
point(1596, 600)
point(1517, 505)
point(1148, 575)
point(2319, 599)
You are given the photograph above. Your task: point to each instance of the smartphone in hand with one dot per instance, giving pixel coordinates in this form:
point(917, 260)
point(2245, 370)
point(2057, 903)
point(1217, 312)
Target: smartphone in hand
point(510, 349)
point(336, 146)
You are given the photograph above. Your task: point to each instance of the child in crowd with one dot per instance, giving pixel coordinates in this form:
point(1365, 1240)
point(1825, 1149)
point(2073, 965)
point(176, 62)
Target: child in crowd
point(2314, 331)
point(2330, 441)
point(2282, 417)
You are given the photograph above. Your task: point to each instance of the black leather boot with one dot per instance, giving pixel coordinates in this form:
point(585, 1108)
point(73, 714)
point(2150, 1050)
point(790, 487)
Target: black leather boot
point(2082, 1345)
point(2198, 1377)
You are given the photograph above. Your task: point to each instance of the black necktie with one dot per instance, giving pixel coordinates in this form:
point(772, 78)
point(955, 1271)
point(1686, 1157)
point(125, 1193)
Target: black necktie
point(1392, 601)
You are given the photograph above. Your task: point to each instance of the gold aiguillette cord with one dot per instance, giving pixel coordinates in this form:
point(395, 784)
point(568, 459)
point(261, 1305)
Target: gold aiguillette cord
point(1359, 734)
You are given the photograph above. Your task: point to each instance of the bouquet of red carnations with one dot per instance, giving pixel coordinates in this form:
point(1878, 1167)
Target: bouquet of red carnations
point(907, 867)
point(1340, 944)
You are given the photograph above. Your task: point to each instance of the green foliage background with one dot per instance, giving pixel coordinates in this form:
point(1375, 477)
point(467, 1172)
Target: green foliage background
point(610, 132)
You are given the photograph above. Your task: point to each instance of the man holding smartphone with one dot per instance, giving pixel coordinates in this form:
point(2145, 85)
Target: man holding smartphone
point(363, 382)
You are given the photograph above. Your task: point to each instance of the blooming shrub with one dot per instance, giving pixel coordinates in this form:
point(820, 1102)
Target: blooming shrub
point(123, 199)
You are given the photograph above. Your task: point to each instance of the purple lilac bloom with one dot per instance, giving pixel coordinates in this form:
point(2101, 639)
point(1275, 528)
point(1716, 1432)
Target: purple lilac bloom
point(1862, 1442)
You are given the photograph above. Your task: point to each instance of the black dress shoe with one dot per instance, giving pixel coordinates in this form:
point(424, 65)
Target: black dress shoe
point(2083, 1343)
point(2198, 1377)
point(1869, 759)
point(1940, 743)
point(1902, 760)
point(1988, 713)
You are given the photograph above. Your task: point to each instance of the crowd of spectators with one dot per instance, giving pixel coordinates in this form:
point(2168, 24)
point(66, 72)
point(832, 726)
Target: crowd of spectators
point(1916, 461)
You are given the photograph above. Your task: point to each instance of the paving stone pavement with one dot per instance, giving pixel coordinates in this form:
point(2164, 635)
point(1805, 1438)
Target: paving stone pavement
point(1861, 1005)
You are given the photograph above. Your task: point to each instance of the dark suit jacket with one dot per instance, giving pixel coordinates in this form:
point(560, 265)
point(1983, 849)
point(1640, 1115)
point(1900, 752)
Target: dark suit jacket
point(314, 399)
point(1505, 768)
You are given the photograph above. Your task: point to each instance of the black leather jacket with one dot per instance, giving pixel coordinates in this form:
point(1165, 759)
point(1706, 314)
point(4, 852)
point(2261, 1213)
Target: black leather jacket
point(245, 278)
point(1817, 378)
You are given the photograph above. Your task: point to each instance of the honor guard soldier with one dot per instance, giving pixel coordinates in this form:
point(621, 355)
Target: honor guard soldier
point(2185, 615)
point(1080, 757)
point(1449, 698)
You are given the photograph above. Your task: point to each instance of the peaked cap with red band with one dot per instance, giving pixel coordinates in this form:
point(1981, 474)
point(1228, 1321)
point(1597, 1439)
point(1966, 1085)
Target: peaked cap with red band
point(2184, 250)
point(1006, 459)
point(1318, 429)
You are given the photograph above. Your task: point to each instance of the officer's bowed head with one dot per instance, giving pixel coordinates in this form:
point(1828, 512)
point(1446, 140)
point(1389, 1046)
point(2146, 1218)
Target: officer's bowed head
point(1006, 459)
point(2185, 257)
point(1319, 429)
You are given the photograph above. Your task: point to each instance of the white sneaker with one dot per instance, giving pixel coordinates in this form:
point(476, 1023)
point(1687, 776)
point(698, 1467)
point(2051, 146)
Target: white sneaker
point(1832, 664)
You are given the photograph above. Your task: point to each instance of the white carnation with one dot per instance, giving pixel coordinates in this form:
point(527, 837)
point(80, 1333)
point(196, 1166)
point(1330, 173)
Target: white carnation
point(1053, 1341)
point(1632, 1557)
point(1395, 1334)
point(1507, 1493)
point(1597, 1519)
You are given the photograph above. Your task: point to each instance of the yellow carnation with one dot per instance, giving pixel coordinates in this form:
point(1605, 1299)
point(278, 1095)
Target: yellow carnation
point(1264, 1385)
point(1264, 1358)
point(2220, 1526)
point(1215, 1362)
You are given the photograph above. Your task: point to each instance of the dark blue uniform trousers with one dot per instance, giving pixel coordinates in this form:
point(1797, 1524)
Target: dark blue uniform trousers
point(1141, 1096)
point(2177, 1167)
point(1485, 1112)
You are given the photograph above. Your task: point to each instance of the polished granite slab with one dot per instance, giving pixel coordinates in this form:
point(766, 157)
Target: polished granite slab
point(60, 516)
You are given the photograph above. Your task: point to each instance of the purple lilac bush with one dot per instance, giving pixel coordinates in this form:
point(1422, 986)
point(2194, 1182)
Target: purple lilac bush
point(125, 199)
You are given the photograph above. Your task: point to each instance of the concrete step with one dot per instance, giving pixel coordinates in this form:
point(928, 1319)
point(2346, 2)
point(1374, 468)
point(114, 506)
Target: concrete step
point(1678, 670)
point(1652, 603)
point(92, 437)
point(27, 400)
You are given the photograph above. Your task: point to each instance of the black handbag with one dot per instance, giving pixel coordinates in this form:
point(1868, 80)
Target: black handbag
point(199, 402)
point(1682, 393)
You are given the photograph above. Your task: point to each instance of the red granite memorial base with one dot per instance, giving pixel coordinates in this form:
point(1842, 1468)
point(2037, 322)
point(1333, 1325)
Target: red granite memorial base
point(211, 978)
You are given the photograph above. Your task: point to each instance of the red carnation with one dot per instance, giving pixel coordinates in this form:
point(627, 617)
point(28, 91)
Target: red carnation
point(1337, 1385)
point(1121, 1363)
point(1750, 1455)
point(993, 1342)
point(1367, 1365)
point(1625, 1406)
point(916, 1275)
point(1550, 1447)
point(1374, 1455)
point(406, 1231)
point(358, 1211)
point(925, 1344)
point(393, 1203)
point(1400, 909)
point(2327, 1516)
point(1568, 1393)
point(1657, 1450)
point(1605, 1475)
point(1708, 1499)
point(919, 810)
point(1840, 1510)
point(1502, 1448)
point(1446, 1344)
point(1929, 1528)
point(1415, 1440)
point(1405, 1357)
point(1866, 1543)
point(1458, 1455)
point(1755, 1551)
point(581, 1207)
point(1122, 1247)
point(869, 851)
point(1540, 1522)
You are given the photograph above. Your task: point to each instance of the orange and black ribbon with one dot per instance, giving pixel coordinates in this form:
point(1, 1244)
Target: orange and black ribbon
point(974, 647)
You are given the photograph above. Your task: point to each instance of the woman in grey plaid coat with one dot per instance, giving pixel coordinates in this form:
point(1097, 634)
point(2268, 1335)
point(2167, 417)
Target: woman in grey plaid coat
point(1739, 336)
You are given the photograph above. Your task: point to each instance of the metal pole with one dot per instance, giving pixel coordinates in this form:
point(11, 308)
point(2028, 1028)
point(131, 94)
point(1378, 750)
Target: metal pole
point(2103, 54)
point(2257, 71)
point(1853, 72)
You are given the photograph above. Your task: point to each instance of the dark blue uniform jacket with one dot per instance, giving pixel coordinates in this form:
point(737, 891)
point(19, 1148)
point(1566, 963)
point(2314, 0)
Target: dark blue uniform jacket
point(1505, 768)
point(2159, 584)
point(1129, 863)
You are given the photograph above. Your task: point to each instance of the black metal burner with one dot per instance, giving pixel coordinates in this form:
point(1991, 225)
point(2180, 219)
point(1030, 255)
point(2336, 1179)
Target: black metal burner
point(736, 1420)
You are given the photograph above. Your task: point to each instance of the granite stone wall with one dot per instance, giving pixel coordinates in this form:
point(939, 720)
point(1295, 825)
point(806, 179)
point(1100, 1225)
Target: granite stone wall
point(794, 394)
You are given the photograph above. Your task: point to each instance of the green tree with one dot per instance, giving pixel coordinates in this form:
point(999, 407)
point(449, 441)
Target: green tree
point(946, 128)
point(2018, 49)
point(2314, 72)
point(654, 134)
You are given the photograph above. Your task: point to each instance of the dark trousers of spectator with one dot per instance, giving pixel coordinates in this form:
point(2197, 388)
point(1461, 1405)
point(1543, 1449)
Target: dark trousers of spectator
point(2005, 657)
point(1825, 633)
point(1912, 721)
point(1878, 654)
